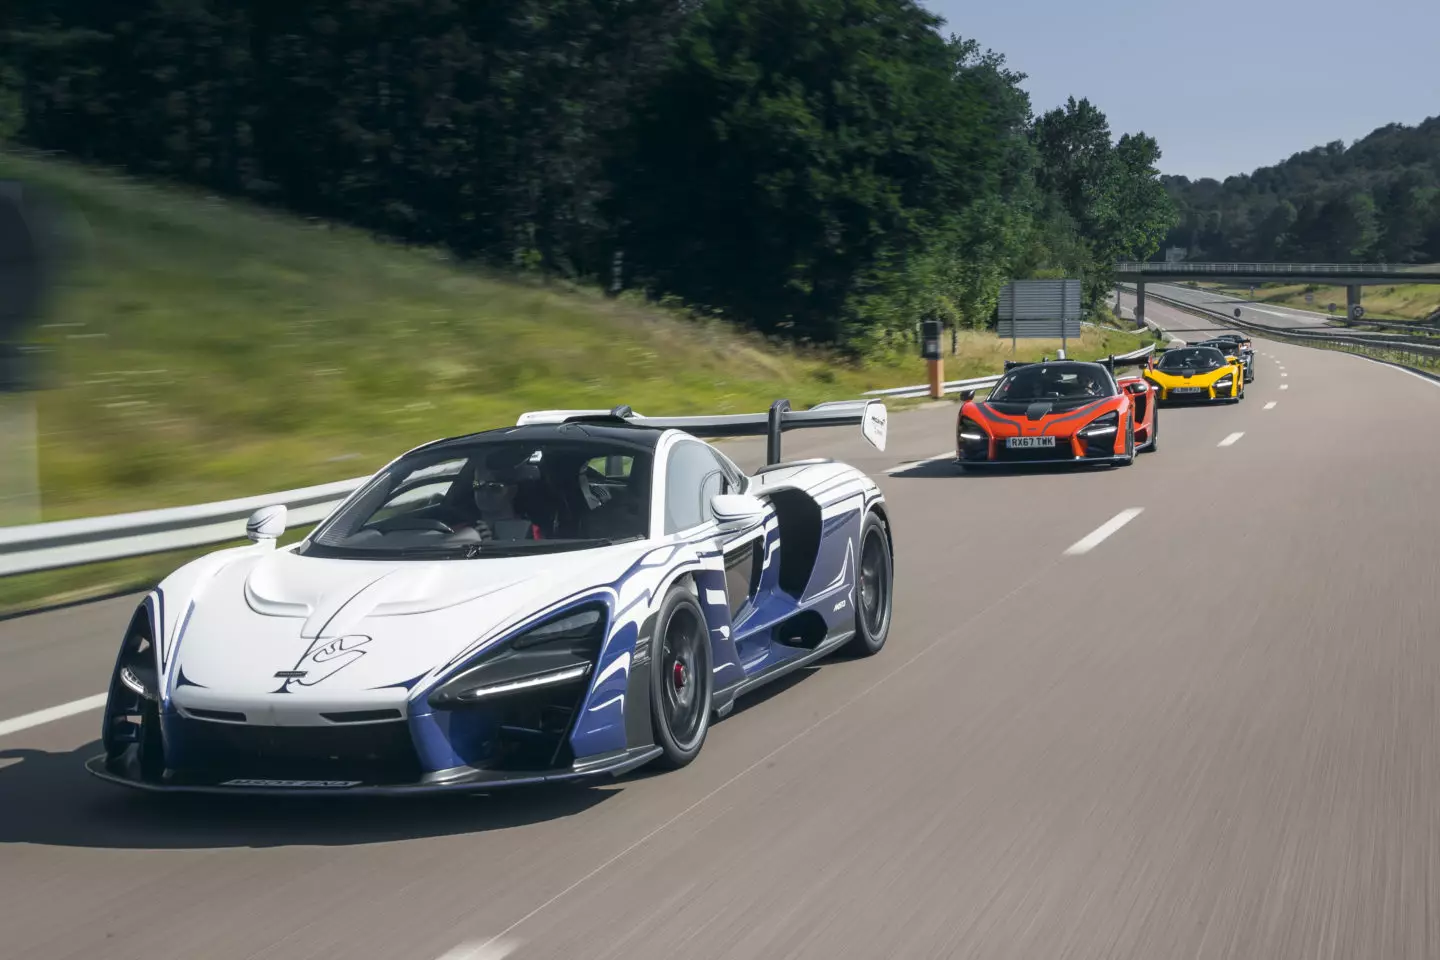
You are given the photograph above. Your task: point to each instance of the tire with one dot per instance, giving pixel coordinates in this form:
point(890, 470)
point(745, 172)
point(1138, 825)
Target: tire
point(1154, 443)
point(874, 589)
point(681, 683)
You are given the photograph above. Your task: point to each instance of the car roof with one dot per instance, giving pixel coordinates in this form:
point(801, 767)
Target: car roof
point(610, 429)
point(1059, 363)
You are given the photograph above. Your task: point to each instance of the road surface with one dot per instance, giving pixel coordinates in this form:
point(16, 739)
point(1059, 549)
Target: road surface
point(1208, 732)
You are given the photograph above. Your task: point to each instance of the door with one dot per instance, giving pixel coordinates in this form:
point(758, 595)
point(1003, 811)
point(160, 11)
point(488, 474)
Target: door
point(695, 474)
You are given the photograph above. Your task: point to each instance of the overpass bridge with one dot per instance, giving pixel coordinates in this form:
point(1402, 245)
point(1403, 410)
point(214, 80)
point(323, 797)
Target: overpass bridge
point(1351, 276)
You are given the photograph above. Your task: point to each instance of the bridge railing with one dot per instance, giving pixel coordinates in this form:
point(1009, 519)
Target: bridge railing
point(1295, 269)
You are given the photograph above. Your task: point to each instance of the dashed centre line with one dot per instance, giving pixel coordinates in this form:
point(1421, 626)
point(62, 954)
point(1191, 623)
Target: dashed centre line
point(1102, 532)
point(1284, 386)
point(1270, 405)
point(1230, 440)
point(26, 721)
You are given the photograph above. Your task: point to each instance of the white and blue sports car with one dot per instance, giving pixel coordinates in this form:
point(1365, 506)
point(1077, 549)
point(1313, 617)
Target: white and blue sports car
point(573, 596)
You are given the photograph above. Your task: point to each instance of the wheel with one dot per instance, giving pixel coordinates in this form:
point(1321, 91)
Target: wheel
point(1154, 443)
point(874, 589)
point(680, 679)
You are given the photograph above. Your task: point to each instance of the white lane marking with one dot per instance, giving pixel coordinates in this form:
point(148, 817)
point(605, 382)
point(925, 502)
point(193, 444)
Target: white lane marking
point(1270, 405)
point(493, 949)
point(1283, 374)
point(909, 464)
point(1102, 532)
point(26, 721)
point(1284, 386)
point(1230, 440)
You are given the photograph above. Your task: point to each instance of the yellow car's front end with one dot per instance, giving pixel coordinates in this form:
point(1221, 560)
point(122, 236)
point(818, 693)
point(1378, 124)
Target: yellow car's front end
point(1197, 375)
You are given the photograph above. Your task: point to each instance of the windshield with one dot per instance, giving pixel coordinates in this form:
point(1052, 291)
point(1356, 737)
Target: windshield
point(495, 498)
point(1038, 382)
point(1192, 358)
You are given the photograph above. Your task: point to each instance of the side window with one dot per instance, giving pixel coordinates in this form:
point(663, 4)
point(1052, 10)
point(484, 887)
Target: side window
point(693, 475)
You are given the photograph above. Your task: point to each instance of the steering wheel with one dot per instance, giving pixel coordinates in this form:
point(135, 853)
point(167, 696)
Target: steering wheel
point(412, 523)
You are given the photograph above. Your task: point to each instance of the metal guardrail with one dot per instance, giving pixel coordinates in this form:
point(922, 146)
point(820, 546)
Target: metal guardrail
point(976, 383)
point(70, 543)
point(1394, 343)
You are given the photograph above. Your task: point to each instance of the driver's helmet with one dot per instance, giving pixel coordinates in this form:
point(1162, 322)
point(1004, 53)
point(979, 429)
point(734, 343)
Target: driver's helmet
point(497, 479)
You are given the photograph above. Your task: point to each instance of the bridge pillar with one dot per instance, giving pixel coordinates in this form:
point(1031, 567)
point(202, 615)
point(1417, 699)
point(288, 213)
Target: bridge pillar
point(1352, 300)
point(1139, 304)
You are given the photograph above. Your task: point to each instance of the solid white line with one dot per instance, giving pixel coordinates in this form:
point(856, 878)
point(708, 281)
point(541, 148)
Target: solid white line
point(25, 722)
point(1270, 405)
point(1230, 440)
point(495, 949)
point(1093, 540)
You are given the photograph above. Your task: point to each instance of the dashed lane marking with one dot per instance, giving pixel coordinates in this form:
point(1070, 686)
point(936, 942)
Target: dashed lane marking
point(1103, 532)
point(1230, 440)
point(28, 720)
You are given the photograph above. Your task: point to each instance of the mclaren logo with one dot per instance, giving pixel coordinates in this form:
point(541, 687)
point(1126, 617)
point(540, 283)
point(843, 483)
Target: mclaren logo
point(325, 659)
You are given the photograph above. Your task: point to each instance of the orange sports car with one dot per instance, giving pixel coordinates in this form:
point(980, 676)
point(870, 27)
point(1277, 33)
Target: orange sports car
point(1058, 411)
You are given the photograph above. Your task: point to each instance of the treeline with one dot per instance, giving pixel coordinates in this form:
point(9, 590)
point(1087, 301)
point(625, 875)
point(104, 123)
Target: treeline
point(831, 169)
point(1376, 200)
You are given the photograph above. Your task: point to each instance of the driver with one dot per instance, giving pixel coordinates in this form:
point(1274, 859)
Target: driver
point(494, 487)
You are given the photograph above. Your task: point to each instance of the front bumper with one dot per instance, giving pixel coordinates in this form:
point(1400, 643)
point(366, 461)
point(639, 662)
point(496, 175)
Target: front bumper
point(1208, 396)
point(459, 780)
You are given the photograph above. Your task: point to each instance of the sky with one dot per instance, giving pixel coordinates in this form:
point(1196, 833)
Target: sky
point(1225, 86)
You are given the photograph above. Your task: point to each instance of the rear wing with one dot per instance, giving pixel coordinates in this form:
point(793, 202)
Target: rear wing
point(869, 415)
point(1113, 361)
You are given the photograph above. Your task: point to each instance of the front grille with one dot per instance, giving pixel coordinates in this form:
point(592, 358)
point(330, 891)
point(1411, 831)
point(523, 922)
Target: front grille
point(371, 753)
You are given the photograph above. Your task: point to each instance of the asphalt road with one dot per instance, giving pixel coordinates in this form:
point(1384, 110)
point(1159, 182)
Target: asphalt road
point(1268, 314)
point(1211, 734)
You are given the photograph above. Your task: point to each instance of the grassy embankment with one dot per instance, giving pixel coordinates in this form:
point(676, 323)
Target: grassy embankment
point(202, 348)
point(1412, 301)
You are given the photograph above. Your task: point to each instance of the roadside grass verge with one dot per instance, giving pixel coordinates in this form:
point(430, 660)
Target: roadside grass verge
point(1411, 301)
point(199, 348)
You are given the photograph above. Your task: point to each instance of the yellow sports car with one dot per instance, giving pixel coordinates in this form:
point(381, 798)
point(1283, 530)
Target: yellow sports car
point(1197, 375)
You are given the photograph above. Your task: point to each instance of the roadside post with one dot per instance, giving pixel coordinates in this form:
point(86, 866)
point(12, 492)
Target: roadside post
point(934, 359)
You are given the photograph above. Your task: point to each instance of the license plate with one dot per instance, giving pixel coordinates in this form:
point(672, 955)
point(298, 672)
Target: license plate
point(1019, 443)
point(1187, 390)
point(295, 784)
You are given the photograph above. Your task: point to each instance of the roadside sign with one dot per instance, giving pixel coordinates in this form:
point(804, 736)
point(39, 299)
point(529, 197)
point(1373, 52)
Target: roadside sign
point(1356, 312)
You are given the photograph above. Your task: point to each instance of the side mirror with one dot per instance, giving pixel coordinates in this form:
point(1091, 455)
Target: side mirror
point(266, 524)
point(967, 395)
point(737, 509)
point(1138, 388)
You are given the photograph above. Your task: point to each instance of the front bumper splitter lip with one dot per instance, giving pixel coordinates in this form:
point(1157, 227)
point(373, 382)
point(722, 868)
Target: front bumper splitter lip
point(465, 780)
point(1022, 464)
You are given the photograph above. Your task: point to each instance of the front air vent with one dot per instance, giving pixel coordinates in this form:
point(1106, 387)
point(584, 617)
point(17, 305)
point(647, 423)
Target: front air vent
point(362, 716)
point(224, 716)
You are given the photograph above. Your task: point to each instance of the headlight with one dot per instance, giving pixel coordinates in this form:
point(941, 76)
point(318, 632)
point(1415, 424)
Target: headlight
point(559, 651)
point(972, 431)
point(1225, 382)
point(1100, 426)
